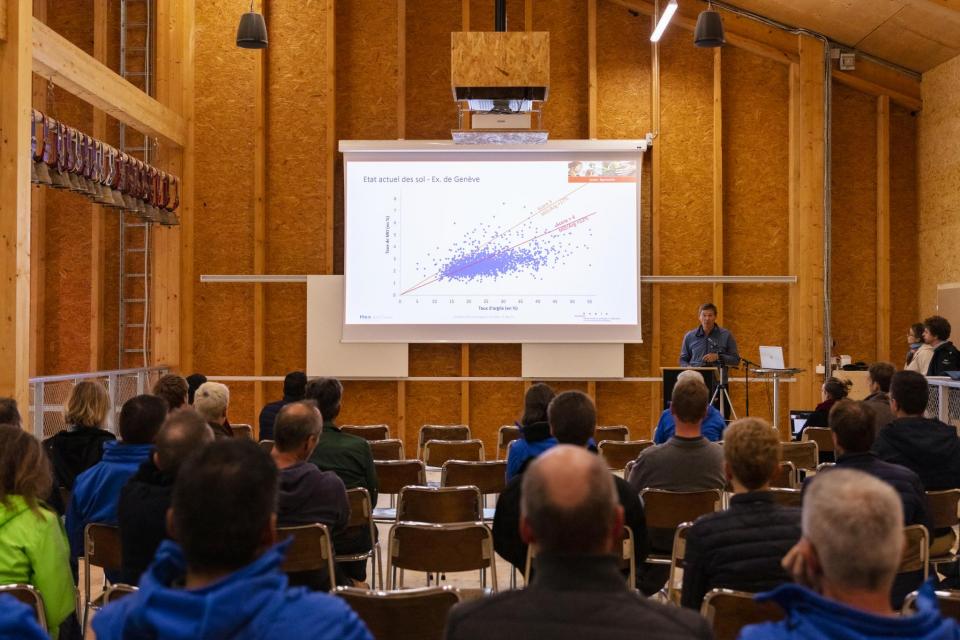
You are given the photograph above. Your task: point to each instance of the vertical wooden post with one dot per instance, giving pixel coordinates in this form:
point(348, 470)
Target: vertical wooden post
point(465, 15)
point(528, 15)
point(38, 237)
point(260, 106)
point(465, 385)
point(401, 69)
point(883, 228)
point(97, 213)
point(15, 213)
point(718, 267)
point(331, 124)
point(655, 303)
point(592, 69)
point(806, 257)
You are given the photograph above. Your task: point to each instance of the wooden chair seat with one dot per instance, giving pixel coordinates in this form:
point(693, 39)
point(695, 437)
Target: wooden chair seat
point(408, 614)
point(367, 431)
point(505, 435)
point(804, 455)
point(441, 548)
point(441, 432)
point(436, 452)
point(489, 476)
point(311, 550)
point(787, 497)
point(28, 595)
point(439, 504)
point(391, 449)
point(729, 611)
point(618, 433)
point(617, 453)
point(786, 477)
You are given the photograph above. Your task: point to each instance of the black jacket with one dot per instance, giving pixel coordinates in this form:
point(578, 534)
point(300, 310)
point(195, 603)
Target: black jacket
point(142, 514)
point(72, 452)
point(268, 416)
point(580, 598)
point(927, 447)
point(740, 548)
point(506, 523)
point(945, 358)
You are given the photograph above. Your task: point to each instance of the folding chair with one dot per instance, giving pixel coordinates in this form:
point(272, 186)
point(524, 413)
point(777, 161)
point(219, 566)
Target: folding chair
point(440, 549)
point(441, 432)
point(392, 476)
point(361, 517)
point(505, 435)
point(312, 550)
point(242, 431)
point(943, 507)
point(916, 550)
point(617, 432)
point(729, 611)
point(436, 452)
point(786, 477)
point(824, 439)
point(402, 615)
point(101, 548)
point(367, 431)
point(28, 595)
point(675, 581)
point(490, 476)
point(825, 465)
point(787, 497)
point(439, 504)
point(628, 560)
point(948, 600)
point(667, 510)
point(804, 455)
point(617, 453)
point(267, 446)
point(118, 591)
point(391, 449)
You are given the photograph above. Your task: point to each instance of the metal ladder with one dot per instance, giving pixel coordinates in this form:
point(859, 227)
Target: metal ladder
point(136, 35)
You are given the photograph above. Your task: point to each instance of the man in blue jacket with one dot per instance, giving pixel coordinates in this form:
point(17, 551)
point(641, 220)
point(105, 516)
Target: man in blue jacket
point(96, 491)
point(713, 423)
point(847, 558)
point(222, 577)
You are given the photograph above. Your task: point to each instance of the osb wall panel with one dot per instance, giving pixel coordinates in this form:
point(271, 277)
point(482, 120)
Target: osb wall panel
point(366, 61)
point(493, 404)
point(854, 228)
point(938, 170)
point(429, 403)
point(297, 102)
point(369, 402)
point(904, 250)
point(565, 112)
point(626, 403)
point(430, 109)
point(755, 93)
point(481, 15)
point(686, 214)
point(224, 125)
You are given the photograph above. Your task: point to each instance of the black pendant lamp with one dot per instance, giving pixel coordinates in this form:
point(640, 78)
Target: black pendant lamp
point(709, 31)
point(252, 32)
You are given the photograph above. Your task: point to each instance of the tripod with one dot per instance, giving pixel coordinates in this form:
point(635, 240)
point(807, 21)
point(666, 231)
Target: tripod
point(722, 392)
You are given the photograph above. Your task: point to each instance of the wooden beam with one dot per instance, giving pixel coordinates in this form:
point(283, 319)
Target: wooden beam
point(69, 67)
point(806, 257)
point(3, 20)
point(401, 69)
point(465, 15)
point(15, 212)
point(97, 213)
point(528, 15)
point(592, 69)
point(465, 385)
point(883, 228)
point(260, 162)
point(187, 240)
point(402, 411)
point(910, 101)
point(656, 307)
point(38, 236)
point(718, 258)
point(331, 140)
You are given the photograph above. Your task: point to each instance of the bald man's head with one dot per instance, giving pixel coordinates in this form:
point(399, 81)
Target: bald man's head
point(183, 432)
point(296, 424)
point(570, 504)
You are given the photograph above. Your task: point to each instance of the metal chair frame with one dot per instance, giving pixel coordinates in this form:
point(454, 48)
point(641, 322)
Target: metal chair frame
point(28, 594)
point(374, 554)
point(486, 552)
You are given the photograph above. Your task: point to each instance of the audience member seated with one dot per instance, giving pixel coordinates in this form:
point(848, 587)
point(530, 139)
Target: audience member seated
point(915, 340)
point(852, 424)
point(713, 424)
point(172, 388)
point(306, 494)
point(833, 390)
point(144, 500)
point(687, 461)
point(17, 620)
point(211, 402)
point(879, 375)
point(194, 380)
point(80, 445)
point(294, 386)
point(741, 548)
point(33, 548)
point(9, 414)
point(346, 455)
point(222, 577)
point(573, 420)
point(945, 356)
point(845, 564)
point(571, 512)
point(535, 435)
point(97, 490)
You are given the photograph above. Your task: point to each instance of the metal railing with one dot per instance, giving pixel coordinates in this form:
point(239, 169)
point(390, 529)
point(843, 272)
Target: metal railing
point(944, 400)
point(48, 395)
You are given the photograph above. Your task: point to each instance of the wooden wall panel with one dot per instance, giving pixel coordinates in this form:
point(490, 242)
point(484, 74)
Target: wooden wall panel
point(369, 402)
point(904, 248)
point(626, 403)
point(430, 403)
point(481, 15)
point(565, 112)
point(686, 142)
point(756, 94)
point(431, 112)
point(854, 277)
point(493, 404)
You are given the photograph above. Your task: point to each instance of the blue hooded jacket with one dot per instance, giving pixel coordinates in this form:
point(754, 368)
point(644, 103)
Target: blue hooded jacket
point(17, 620)
point(813, 617)
point(712, 427)
point(96, 491)
point(252, 603)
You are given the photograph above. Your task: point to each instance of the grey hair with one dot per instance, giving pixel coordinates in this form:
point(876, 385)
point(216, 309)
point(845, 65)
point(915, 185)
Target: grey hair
point(855, 523)
point(295, 424)
point(689, 374)
point(577, 529)
point(211, 400)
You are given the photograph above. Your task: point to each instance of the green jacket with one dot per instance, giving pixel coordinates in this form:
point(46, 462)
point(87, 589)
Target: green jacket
point(349, 457)
point(34, 550)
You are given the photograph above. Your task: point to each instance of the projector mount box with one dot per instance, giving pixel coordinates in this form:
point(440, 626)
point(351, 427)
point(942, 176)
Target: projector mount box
point(499, 81)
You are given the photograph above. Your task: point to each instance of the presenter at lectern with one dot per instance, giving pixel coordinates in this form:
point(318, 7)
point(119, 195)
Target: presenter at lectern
point(709, 345)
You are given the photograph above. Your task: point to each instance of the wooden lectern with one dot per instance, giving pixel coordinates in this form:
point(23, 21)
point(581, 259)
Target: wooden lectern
point(710, 376)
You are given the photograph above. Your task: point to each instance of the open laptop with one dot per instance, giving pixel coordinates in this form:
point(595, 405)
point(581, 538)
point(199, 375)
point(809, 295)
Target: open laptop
point(771, 357)
point(798, 420)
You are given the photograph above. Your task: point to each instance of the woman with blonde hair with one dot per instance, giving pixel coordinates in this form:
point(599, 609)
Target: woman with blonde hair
point(80, 445)
point(33, 545)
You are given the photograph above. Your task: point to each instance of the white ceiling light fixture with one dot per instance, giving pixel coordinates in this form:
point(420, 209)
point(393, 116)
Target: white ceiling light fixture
point(668, 12)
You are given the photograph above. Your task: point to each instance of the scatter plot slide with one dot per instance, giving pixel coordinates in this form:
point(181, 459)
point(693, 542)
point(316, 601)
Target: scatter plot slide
point(547, 242)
